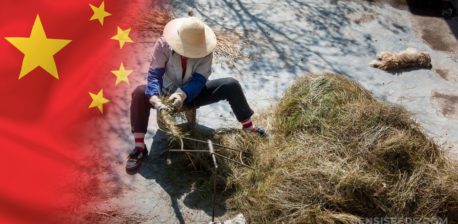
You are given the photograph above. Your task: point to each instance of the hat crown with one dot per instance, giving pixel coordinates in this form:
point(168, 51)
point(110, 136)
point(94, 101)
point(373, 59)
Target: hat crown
point(190, 37)
point(192, 31)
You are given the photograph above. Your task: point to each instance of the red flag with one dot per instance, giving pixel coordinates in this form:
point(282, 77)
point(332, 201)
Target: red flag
point(56, 60)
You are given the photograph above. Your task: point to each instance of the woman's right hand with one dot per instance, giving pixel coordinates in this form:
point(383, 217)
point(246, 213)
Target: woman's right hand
point(157, 103)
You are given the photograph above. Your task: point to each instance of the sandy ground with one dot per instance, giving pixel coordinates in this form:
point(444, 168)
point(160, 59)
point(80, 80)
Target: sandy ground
point(282, 41)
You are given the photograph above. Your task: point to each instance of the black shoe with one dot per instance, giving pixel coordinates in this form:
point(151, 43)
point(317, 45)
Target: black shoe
point(135, 158)
point(261, 132)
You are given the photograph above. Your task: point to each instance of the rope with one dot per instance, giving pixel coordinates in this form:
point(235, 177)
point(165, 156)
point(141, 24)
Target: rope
point(211, 152)
point(202, 141)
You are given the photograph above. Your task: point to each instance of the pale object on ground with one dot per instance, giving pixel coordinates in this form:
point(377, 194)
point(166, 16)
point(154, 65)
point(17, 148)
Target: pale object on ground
point(410, 58)
point(239, 219)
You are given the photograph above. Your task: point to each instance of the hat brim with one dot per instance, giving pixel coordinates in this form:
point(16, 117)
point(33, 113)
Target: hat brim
point(190, 51)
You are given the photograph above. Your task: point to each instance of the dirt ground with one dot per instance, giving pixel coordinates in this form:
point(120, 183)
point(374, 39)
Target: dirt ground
point(441, 35)
point(282, 40)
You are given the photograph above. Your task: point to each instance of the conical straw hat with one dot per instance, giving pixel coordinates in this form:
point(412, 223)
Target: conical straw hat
point(190, 37)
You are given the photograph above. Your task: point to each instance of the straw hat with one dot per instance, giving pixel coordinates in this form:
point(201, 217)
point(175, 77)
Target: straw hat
point(190, 37)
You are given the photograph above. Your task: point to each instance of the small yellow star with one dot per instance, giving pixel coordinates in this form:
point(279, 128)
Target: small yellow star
point(38, 50)
point(122, 36)
point(122, 75)
point(99, 12)
point(98, 100)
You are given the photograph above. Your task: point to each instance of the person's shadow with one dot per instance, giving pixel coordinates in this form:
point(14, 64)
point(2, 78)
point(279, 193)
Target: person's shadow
point(175, 174)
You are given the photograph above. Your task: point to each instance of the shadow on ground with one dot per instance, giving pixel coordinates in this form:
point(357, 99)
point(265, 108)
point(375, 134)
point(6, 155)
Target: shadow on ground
point(435, 9)
point(296, 41)
point(181, 178)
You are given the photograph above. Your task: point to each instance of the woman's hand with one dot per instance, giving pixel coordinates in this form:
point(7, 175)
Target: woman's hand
point(178, 98)
point(157, 103)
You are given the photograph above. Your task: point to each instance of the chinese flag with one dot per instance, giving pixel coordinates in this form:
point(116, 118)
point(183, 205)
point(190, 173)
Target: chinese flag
point(56, 59)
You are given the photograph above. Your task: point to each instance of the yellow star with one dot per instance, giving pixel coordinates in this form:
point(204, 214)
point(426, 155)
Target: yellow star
point(99, 12)
point(98, 100)
point(38, 50)
point(122, 75)
point(122, 36)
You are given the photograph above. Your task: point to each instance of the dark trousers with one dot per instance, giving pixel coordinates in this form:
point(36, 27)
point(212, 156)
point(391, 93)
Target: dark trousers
point(215, 90)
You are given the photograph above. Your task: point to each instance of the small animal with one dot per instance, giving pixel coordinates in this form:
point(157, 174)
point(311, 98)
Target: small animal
point(410, 58)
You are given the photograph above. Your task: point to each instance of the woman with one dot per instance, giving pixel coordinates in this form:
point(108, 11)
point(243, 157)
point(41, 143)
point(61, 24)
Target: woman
point(180, 67)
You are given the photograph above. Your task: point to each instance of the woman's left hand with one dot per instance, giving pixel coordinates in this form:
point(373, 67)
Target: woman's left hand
point(178, 98)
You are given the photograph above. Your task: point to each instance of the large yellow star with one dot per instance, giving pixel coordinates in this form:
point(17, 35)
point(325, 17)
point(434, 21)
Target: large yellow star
point(99, 12)
point(98, 100)
point(122, 75)
point(38, 50)
point(122, 36)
